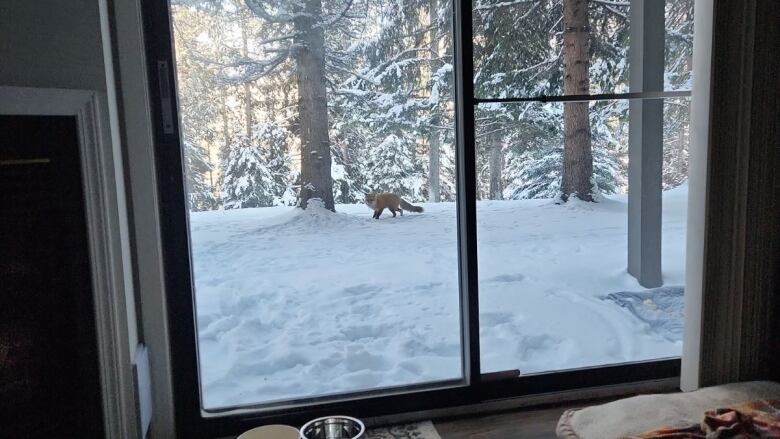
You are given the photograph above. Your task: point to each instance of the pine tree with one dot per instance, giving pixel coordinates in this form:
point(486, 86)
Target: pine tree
point(197, 167)
point(676, 140)
point(275, 152)
point(401, 88)
point(349, 160)
point(392, 168)
point(539, 171)
point(199, 131)
point(247, 180)
point(577, 150)
point(386, 70)
point(678, 76)
point(256, 170)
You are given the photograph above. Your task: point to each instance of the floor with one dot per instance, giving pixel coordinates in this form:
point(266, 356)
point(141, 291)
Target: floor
point(522, 424)
point(518, 424)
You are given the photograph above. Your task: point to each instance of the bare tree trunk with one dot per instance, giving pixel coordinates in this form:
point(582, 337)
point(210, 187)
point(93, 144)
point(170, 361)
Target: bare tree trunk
point(225, 124)
point(434, 165)
point(682, 145)
point(495, 165)
point(434, 145)
point(210, 161)
point(316, 181)
point(577, 154)
point(248, 119)
point(224, 149)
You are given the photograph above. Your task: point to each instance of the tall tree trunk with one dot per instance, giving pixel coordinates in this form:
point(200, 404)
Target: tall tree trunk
point(248, 119)
point(682, 145)
point(316, 181)
point(225, 124)
point(224, 149)
point(495, 166)
point(434, 167)
point(434, 145)
point(577, 154)
point(210, 161)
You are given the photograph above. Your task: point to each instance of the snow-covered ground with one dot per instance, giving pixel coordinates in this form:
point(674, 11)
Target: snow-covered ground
point(296, 303)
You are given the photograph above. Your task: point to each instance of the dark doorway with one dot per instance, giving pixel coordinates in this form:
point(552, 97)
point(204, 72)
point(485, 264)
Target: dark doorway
point(49, 373)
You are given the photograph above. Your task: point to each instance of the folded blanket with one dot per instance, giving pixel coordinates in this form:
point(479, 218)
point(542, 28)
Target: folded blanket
point(759, 419)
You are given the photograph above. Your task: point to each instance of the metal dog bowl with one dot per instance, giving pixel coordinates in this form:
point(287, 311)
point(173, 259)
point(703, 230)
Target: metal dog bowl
point(333, 427)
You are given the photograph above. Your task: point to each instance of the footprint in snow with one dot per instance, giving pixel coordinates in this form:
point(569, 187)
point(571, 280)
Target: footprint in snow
point(505, 278)
point(494, 318)
point(358, 332)
point(361, 289)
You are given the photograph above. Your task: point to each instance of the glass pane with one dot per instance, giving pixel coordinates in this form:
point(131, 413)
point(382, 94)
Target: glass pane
point(555, 291)
point(351, 97)
point(519, 47)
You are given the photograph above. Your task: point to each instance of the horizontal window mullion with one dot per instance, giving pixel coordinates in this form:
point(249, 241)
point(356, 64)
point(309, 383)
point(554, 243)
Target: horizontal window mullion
point(587, 98)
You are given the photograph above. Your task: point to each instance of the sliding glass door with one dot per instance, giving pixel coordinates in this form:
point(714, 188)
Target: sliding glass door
point(373, 207)
point(318, 142)
point(582, 124)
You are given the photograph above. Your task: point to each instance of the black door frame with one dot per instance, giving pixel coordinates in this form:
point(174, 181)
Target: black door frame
point(192, 421)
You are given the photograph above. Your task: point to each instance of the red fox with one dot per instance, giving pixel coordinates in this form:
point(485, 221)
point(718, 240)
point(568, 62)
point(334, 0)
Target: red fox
point(379, 202)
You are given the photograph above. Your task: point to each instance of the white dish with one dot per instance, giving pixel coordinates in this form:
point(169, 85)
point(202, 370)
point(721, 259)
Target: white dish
point(271, 432)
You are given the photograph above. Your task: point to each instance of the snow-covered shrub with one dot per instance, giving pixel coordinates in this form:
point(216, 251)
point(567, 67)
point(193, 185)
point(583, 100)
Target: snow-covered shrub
point(540, 173)
point(392, 167)
point(256, 171)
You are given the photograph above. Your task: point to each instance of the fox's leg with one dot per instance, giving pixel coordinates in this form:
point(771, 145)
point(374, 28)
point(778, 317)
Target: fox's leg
point(393, 211)
point(377, 213)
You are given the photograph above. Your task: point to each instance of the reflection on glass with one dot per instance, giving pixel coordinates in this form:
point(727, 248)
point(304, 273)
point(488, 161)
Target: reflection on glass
point(287, 104)
point(519, 46)
point(554, 289)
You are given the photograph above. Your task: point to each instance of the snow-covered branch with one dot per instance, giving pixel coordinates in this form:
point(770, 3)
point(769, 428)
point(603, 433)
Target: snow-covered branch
point(503, 4)
point(616, 12)
point(358, 75)
point(258, 8)
point(611, 2)
point(330, 21)
point(247, 70)
point(277, 39)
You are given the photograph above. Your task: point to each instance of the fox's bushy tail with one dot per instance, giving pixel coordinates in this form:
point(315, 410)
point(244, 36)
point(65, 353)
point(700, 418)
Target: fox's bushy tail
point(410, 207)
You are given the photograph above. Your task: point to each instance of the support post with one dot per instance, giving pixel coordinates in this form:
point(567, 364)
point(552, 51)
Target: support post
point(645, 143)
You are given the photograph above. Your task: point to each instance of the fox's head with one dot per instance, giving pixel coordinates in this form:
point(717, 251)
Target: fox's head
point(371, 199)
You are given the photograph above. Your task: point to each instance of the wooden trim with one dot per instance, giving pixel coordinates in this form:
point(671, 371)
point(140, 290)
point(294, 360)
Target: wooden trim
point(739, 262)
point(667, 385)
point(136, 129)
point(100, 166)
point(697, 190)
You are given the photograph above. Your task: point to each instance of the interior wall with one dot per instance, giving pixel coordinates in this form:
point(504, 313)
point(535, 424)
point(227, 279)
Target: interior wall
point(51, 43)
point(60, 44)
point(67, 45)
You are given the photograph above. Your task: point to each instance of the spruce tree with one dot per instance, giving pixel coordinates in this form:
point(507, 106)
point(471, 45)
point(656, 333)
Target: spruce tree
point(197, 168)
point(392, 168)
point(247, 180)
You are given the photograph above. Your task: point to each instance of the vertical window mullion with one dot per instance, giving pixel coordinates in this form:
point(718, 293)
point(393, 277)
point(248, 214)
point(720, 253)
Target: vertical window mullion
point(467, 188)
